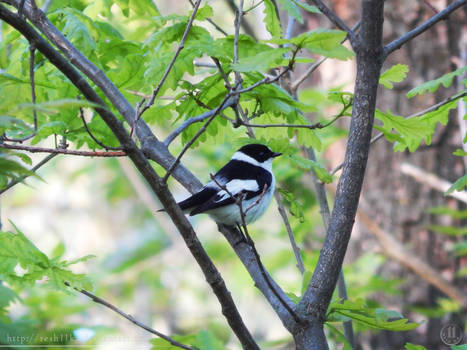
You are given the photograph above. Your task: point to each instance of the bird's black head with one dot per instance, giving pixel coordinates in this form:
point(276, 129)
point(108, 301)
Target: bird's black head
point(258, 152)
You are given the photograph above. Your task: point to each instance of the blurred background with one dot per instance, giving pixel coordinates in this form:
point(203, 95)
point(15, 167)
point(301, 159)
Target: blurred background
point(103, 207)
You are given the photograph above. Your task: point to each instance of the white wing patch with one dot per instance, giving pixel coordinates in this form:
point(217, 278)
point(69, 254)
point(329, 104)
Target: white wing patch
point(236, 186)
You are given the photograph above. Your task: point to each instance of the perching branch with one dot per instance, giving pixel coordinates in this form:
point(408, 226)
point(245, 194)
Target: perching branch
point(180, 47)
point(130, 318)
point(239, 202)
point(444, 14)
point(211, 273)
point(33, 149)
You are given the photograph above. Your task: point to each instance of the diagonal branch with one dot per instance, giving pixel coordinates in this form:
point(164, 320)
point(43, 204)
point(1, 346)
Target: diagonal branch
point(194, 138)
point(130, 318)
point(335, 19)
point(173, 135)
point(444, 14)
point(209, 270)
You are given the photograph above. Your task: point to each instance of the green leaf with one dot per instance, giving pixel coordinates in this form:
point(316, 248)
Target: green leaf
point(16, 249)
point(395, 74)
point(410, 131)
point(78, 28)
point(371, 317)
point(204, 13)
point(273, 24)
point(459, 347)
point(449, 230)
point(459, 185)
point(205, 339)
point(295, 208)
point(308, 164)
point(410, 346)
point(326, 42)
point(453, 213)
point(292, 9)
point(262, 61)
point(306, 7)
point(460, 152)
point(433, 85)
point(45, 130)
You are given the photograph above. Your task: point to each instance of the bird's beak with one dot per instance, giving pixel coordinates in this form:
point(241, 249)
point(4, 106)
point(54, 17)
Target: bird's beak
point(276, 154)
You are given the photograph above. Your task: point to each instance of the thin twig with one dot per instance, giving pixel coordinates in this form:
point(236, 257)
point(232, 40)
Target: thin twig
point(335, 19)
point(219, 29)
point(173, 135)
point(222, 72)
point(237, 24)
point(430, 6)
point(295, 247)
point(81, 114)
point(130, 318)
point(63, 151)
point(194, 138)
point(204, 64)
point(239, 202)
point(396, 44)
point(249, 30)
point(180, 47)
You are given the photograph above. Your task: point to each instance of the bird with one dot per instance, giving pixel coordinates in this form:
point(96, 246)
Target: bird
point(247, 179)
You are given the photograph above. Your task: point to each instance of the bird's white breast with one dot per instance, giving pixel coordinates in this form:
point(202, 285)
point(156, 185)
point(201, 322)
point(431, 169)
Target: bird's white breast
point(230, 214)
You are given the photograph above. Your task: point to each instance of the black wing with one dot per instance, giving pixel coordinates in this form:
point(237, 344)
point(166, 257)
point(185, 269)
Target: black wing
point(198, 198)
